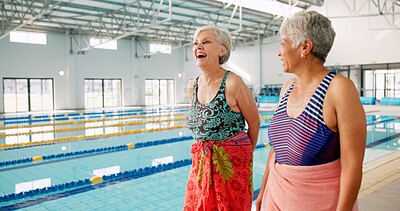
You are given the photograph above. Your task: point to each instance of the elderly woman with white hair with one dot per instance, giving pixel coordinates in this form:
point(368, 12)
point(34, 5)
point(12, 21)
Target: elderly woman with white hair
point(221, 103)
point(318, 131)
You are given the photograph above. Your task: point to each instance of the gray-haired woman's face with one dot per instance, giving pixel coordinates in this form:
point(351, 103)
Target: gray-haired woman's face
point(206, 49)
point(290, 56)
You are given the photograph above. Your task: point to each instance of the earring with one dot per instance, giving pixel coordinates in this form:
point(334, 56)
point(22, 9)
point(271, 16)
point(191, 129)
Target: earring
point(302, 55)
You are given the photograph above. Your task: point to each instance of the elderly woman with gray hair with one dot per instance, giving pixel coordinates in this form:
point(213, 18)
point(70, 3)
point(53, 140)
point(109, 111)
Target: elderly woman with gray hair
point(221, 103)
point(318, 131)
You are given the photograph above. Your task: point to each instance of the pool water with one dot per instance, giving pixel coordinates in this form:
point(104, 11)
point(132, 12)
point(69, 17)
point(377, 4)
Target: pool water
point(154, 189)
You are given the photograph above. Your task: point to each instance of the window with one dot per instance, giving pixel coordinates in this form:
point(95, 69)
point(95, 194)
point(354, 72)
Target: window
point(160, 48)
point(112, 93)
point(100, 93)
point(381, 80)
point(25, 94)
point(103, 43)
point(28, 37)
point(377, 80)
point(380, 84)
point(159, 91)
point(369, 84)
point(41, 94)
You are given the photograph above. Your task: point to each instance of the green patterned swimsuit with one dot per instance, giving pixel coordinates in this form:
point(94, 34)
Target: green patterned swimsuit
point(214, 120)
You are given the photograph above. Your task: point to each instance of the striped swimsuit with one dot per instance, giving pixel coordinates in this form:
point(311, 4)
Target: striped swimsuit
point(304, 140)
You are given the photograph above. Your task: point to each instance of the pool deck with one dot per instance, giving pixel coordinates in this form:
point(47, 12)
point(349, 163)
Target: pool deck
point(382, 110)
point(380, 188)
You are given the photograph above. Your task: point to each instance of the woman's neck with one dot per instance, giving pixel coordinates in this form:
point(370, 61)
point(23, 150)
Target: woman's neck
point(311, 75)
point(211, 75)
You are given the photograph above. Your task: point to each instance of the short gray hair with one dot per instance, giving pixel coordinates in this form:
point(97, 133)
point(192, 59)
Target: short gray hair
point(222, 36)
point(313, 26)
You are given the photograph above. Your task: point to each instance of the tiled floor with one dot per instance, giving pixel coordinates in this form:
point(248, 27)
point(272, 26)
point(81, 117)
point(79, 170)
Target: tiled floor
point(380, 189)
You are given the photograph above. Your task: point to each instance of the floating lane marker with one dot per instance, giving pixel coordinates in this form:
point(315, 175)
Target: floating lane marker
point(96, 179)
point(37, 158)
point(131, 146)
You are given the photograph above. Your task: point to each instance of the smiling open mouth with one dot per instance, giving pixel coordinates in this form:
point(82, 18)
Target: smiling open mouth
point(200, 56)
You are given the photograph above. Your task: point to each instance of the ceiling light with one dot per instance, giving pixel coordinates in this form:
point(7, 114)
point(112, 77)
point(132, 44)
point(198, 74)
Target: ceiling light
point(271, 7)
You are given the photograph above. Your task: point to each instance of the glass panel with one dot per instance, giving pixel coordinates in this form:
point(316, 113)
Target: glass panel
point(163, 92)
point(28, 37)
point(369, 84)
point(20, 37)
point(161, 48)
point(390, 85)
point(37, 38)
point(380, 85)
point(47, 94)
point(147, 92)
point(112, 93)
point(98, 93)
point(22, 95)
point(156, 92)
point(93, 93)
point(369, 80)
point(89, 94)
point(117, 87)
point(171, 92)
point(36, 94)
point(397, 83)
point(152, 92)
point(108, 93)
point(104, 43)
point(159, 92)
point(10, 95)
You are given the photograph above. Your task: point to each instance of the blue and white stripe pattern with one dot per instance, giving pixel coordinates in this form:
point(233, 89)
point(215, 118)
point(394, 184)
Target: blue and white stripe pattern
point(304, 140)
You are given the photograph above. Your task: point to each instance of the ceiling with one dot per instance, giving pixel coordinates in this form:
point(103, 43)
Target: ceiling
point(161, 21)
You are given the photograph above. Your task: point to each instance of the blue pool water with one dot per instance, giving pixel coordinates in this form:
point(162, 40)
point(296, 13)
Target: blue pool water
point(152, 189)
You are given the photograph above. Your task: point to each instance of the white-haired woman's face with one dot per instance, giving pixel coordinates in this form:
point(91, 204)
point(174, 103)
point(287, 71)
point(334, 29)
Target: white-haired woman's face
point(290, 56)
point(206, 49)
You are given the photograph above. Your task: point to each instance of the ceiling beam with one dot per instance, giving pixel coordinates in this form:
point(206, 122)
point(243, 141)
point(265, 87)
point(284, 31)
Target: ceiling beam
point(27, 15)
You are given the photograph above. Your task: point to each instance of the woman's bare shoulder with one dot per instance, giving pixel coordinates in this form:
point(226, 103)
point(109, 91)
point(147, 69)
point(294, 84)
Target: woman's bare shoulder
point(234, 79)
point(341, 84)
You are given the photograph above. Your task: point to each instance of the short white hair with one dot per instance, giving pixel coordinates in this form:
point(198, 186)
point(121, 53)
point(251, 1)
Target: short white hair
point(313, 26)
point(223, 37)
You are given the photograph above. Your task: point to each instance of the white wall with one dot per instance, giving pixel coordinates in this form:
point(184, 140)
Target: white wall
point(45, 61)
point(360, 40)
point(357, 42)
point(272, 65)
point(19, 60)
point(161, 66)
point(106, 64)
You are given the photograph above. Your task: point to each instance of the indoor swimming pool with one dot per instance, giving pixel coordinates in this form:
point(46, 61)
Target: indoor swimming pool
point(137, 159)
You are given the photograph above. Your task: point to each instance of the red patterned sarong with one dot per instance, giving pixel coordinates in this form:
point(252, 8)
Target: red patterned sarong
point(221, 175)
